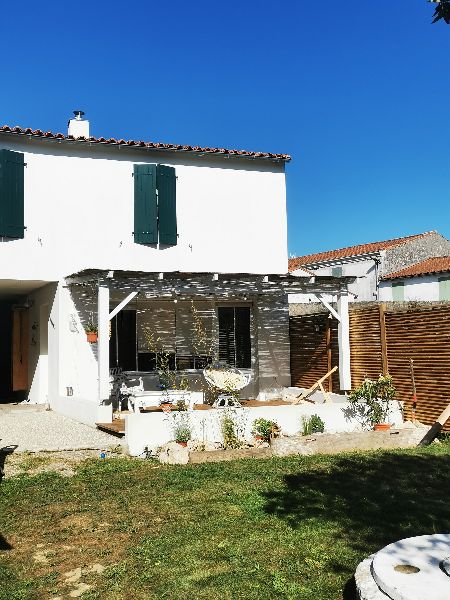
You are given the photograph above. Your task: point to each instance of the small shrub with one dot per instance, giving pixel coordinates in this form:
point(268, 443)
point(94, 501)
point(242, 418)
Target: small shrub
point(230, 438)
point(182, 432)
point(371, 401)
point(181, 405)
point(265, 428)
point(444, 437)
point(312, 424)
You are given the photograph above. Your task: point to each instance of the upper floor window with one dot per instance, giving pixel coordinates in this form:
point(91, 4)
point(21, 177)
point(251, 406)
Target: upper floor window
point(11, 194)
point(444, 288)
point(398, 290)
point(336, 271)
point(155, 205)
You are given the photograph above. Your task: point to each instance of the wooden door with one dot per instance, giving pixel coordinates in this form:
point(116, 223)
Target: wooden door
point(20, 350)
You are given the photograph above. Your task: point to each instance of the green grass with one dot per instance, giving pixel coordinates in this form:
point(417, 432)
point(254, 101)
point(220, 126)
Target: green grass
point(258, 529)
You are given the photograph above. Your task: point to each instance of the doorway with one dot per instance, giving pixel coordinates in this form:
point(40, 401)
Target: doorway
point(14, 346)
point(123, 341)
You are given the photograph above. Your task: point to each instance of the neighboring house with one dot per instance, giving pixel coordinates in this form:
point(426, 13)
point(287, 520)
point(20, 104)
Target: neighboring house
point(370, 263)
point(130, 235)
point(426, 280)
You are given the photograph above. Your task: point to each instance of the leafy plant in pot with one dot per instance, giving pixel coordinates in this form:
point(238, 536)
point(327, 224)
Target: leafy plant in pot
point(182, 433)
point(91, 332)
point(312, 424)
point(371, 401)
point(264, 429)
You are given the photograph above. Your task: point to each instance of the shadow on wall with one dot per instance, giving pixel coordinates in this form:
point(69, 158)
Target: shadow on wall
point(373, 501)
point(273, 343)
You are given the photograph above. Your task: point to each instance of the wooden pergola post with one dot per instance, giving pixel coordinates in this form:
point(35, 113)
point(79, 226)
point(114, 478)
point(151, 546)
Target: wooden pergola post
point(103, 343)
point(384, 358)
point(345, 378)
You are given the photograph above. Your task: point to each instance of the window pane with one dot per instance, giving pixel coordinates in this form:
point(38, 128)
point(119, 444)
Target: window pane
point(444, 288)
point(226, 335)
point(242, 337)
point(234, 336)
point(398, 292)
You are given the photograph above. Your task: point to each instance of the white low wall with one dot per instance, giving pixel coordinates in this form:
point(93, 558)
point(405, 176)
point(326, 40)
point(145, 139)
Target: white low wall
point(152, 430)
point(82, 410)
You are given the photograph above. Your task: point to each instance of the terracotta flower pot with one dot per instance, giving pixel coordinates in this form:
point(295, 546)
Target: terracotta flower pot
point(92, 337)
point(382, 426)
point(166, 407)
point(184, 444)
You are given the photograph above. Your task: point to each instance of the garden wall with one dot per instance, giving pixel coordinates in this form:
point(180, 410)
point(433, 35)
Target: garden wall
point(153, 430)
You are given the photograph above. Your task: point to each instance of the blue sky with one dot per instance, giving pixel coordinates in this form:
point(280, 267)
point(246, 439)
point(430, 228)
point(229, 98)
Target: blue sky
point(357, 92)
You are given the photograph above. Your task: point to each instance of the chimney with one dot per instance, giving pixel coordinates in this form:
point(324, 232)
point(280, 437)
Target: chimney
point(78, 127)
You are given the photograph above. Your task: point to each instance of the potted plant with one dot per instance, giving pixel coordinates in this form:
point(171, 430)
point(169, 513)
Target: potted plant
point(91, 332)
point(182, 433)
point(264, 429)
point(372, 401)
point(312, 424)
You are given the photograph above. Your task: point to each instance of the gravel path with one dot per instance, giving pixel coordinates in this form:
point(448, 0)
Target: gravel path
point(34, 431)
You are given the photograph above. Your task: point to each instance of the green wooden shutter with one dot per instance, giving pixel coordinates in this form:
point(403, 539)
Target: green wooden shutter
point(145, 205)
point(11, 194)
point(167, 205)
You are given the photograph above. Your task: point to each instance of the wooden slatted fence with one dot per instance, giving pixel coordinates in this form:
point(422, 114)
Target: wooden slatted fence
point(314, 349)
point(423, 335)
point(382, 339)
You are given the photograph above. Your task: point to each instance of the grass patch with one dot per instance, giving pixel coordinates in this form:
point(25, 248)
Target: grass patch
point(292, 528)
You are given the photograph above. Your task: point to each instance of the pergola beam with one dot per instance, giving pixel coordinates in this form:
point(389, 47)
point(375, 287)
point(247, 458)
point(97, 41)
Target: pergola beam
point(329, 307)
point(122, 305)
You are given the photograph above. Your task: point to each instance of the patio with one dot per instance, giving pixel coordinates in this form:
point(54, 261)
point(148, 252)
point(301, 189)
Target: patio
point(32, 429)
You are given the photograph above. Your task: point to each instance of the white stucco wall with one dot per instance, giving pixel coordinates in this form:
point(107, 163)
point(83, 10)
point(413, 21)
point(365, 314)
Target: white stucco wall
point(41, 336)
point(79, 213)
point(415, 288)
point(363, 289)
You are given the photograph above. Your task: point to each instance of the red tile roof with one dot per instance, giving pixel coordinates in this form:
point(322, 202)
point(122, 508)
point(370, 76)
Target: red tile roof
point(309, 259)
point(139, 144)
point(438, 264)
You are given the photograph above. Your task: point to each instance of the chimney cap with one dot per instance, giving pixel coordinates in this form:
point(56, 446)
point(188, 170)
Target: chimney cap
point(79, 114)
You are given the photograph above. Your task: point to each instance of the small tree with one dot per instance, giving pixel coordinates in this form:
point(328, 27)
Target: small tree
point(371, 401)
point(442, 11)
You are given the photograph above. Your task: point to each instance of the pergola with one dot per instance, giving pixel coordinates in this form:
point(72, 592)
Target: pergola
point(123, 286)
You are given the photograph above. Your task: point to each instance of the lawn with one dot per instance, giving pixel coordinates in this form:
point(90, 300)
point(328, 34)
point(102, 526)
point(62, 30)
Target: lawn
point(256, 529)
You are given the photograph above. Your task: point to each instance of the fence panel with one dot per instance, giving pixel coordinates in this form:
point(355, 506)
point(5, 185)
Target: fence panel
point(310, 354)
point(422, 334)
point(365, 343)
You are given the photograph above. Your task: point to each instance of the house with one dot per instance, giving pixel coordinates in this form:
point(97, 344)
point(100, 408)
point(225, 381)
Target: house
point(371, 264)
point(426, 280)
point(150, 242)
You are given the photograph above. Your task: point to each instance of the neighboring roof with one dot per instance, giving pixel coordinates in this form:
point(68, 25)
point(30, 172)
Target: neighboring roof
point(329, 255)
point(438, 264)
point(140, 144)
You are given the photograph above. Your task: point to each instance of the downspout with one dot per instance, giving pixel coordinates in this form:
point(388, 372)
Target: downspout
point(377, 287)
